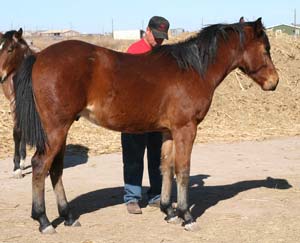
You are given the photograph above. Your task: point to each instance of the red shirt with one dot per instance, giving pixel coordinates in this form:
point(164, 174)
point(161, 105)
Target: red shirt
point(139, 47)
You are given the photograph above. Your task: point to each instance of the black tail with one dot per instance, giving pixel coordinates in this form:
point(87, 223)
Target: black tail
point(28, 120)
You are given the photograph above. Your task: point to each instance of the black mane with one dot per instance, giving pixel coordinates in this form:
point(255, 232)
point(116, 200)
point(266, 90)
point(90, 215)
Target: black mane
point(199, 51)
point(9, 36)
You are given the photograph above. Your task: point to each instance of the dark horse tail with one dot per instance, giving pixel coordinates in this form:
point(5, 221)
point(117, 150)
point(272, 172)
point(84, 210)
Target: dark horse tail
point(28, 120)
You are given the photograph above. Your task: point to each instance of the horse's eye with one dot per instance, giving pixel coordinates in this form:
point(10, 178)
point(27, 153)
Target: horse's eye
point(10, 49)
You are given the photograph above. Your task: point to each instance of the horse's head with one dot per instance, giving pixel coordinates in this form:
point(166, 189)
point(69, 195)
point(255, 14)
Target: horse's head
point(13, 49)
point(256, 60)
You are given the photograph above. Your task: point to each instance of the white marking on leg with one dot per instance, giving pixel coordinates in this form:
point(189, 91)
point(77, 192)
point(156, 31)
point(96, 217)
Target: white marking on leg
point(175, 220)
point(49, 230)
point(76, 223)
point(191, 227)
point(22, 164)
point(17, 174)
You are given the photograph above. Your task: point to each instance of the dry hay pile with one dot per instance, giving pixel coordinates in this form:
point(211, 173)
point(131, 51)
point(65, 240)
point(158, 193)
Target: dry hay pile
point(240, 109)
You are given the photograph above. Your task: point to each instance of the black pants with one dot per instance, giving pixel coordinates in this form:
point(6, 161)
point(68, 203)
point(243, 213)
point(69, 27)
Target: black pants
point(133, 150)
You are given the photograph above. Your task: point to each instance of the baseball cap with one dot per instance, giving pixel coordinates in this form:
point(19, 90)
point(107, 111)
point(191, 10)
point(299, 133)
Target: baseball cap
point(159, 27)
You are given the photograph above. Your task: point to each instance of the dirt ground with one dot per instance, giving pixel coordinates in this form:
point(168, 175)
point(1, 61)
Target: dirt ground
point(239, 192)
point(247, 136)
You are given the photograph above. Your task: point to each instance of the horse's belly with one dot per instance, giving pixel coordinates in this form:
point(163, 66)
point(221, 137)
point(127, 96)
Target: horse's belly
point(118, 121)
point(100, 118)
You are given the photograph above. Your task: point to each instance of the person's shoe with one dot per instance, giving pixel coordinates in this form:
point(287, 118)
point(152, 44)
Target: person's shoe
point(154, 204)
point(133, 208)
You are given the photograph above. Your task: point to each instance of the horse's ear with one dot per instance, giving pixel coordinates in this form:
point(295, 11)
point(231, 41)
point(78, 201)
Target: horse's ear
point(18, 34)
point(242, 20)
point(259, 28)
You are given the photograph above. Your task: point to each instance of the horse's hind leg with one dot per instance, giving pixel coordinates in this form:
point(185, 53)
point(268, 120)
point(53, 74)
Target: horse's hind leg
point(184, 139)
point(40, 166)
point(17, 173)
point(167, 170)
point(56, 172)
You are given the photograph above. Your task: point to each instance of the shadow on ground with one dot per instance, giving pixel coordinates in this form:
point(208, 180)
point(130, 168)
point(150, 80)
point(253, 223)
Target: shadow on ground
point(75, 154)
point(203, 197)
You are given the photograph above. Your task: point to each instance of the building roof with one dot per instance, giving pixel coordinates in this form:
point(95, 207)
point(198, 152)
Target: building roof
point(58, 31)
point(288, 25)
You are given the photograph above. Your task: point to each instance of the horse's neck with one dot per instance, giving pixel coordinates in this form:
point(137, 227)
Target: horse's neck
point(25, 53)
point(227, 60)
point(29, 52)
point(7, 87)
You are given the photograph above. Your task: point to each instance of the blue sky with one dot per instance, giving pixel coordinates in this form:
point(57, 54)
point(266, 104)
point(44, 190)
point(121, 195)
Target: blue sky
point(92, 16)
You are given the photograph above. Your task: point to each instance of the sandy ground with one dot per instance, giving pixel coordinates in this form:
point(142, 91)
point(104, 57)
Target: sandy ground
point(239, 192)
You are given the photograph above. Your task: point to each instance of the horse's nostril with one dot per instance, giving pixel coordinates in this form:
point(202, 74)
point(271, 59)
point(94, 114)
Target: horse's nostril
point(270, 85)
point(274, 85)
point(273, 88)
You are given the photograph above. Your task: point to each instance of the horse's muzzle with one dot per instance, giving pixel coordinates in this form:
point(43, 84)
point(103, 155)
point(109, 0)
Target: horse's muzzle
point(271, 84)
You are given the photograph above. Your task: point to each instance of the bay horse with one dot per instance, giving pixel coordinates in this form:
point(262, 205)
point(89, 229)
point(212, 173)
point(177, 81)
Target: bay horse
point(169, 90)
point(10, 61)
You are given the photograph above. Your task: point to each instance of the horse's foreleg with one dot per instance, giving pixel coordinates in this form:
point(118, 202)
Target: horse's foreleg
point(39, 172)
point(23, 155)
point(182, 209)
point(56, 172)
point(183, 140)
point(167, 170)
point(17, 173)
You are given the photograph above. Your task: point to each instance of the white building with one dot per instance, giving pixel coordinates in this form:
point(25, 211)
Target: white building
point(128, 34)
point(57, 33)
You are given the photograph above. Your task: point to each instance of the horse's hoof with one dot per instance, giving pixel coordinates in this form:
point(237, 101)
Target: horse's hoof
point(76, 224)
point(22, 164)
point(48, 230)
point(174, 220)
point(17, 174)
point(191, 227)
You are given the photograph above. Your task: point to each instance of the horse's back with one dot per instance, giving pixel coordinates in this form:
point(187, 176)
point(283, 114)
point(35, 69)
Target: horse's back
point(62, 55)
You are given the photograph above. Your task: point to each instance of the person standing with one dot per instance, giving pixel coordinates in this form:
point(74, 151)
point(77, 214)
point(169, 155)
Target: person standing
point(134, 145)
